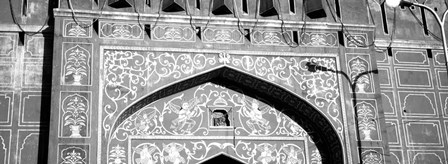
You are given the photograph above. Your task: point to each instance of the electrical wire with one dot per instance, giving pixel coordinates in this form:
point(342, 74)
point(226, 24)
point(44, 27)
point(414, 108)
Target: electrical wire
point(138, 15)
point(209, 17)
point(289, 41)
point(158, 16)
point(187, 11)
point(20, 26)
point(85, 25)
point(421, 24)
point(238, 19)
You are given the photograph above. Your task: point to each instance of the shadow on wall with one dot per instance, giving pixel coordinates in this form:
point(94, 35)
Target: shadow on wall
point(45, 107)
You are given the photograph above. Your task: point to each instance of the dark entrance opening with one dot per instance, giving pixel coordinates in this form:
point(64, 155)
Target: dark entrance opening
point(222, 159)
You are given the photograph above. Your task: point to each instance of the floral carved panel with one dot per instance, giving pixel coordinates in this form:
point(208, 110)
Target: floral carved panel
point(360, 72)
point(367, 120)
point(173, 33)
point(318, 39)
point(77, 62)
point(75, 114)
point(125, 31)
point(78, 29)
point(275, 38)
point(357, 40)
point(155, 69)
point(73, 154)
point(223, 35)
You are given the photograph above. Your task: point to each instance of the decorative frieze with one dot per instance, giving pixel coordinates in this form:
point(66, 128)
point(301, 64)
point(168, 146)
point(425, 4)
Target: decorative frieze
point(357, 40)
point(360, 72)
point(368, 124)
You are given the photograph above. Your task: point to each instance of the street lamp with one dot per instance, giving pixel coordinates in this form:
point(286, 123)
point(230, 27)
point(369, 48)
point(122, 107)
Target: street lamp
point(396, 3)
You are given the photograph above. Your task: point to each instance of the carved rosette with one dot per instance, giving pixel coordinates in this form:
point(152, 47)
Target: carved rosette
point(124, 31)
point(71, 154)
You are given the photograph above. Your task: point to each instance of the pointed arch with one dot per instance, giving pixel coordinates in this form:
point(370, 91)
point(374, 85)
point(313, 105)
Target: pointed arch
point(312, 120)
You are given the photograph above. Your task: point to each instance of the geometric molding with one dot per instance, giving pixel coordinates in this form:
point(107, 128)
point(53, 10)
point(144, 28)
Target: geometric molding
point(393, 132)
point(385, 77)
point(427, 156)
point(382, 58)
point(413, 78)
point(27, 145)
point(122, 31)
point(6, 74)
point(35, 46)
point(6, 108)
point(423, 133)
point(33, 74)
point(443, 96)
point(76, 64)
point(388, 100)
point(78, 29)
point(5, 146)
point(410, 57)
point(442, 78)
point(396, 156)
point(439, 59)
point(32, 106)
point(8, 42)
point(418, 104)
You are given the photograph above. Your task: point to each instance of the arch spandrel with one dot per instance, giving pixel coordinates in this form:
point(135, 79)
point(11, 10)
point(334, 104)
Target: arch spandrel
point(180, 127)
point(133, 77)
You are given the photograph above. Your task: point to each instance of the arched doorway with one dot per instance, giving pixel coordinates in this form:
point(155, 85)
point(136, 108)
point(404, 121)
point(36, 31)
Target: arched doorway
point(311, 120)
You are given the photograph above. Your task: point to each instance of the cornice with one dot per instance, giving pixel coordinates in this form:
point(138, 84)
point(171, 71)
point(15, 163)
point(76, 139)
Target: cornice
point(206, 20)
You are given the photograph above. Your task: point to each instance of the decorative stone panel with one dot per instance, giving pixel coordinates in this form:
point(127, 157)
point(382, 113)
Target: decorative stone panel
point(413, 78)
point(73, 153)
point(76, 63)
point(439, 58)
point(75, 114)
point(35, 47)
point(396, 156)
point(319, 39)
point(373, 156)
point(410, 57)
point(5, 146)
point(424, 133)
point(388, 100)
point(393, 132)
point(173, 33)
point(31, 108)
point(368, 125)
point(122, 30)
point(359, 68)
point(357, 40)
point(9, 44)
point(223, 35)
point(427, 156)
point(385, 77)
point(442, 78)
point(6, 74)
point(417, 104)
point(78, 29)
point(28, 145)
point(6, 107)
point(33, 74)
point(272, 37)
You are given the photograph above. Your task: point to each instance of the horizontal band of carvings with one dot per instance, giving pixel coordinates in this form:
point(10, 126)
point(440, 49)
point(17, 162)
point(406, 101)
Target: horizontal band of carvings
point(197, 20)
point(25, 27)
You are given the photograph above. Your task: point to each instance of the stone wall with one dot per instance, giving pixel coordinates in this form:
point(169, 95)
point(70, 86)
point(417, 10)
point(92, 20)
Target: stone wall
point(102, 68)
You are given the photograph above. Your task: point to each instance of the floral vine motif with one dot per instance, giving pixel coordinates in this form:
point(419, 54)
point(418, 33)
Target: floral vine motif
point(73, 155)
point(76, 65)
point(117, 155)
point(75, 113)
point(125, 71)
point(77, 31)
point(366, 120)
point(357, 67)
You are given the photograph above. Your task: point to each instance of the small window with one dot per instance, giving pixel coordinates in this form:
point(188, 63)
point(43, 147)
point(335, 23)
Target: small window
point(220, 118)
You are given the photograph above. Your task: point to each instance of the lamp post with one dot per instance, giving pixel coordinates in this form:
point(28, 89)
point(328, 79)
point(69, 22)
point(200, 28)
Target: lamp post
point(396, 3)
